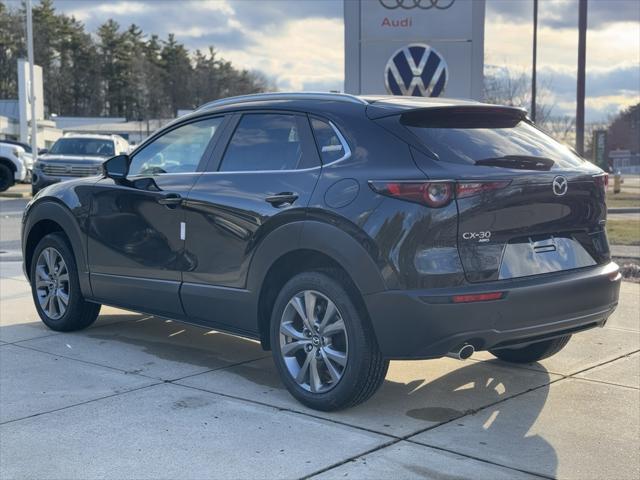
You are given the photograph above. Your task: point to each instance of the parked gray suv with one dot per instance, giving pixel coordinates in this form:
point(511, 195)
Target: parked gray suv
point(75, 155)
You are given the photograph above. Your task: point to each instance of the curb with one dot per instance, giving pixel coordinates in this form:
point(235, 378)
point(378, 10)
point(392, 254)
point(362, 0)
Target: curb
point(624, 210)
point(15, 195)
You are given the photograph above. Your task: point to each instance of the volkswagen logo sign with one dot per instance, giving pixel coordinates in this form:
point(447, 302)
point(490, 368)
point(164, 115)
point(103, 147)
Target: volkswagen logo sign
point(422, 4)
point(560, 185)
point(416, 70)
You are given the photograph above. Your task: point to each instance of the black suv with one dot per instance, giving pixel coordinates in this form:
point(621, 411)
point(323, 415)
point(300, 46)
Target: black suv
point(340, 231)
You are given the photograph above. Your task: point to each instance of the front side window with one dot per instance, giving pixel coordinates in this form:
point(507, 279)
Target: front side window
point(329, 144)
point(177, 151)
point(264, 141)
point(94, 147)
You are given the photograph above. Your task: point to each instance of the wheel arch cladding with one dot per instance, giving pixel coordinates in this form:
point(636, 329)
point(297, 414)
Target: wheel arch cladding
point(48, 217)
point(280, 260)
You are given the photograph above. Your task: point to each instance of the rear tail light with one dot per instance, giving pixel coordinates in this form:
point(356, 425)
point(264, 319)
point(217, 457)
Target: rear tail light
point(435, 193)
point(469, 189)
point(477, 297)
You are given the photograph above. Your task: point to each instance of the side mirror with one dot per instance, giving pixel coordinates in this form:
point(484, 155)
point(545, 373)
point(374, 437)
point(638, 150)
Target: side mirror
point(117, 167)
point(42, 151)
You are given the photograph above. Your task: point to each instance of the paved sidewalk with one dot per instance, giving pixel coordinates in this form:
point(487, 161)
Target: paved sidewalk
point(136, 396)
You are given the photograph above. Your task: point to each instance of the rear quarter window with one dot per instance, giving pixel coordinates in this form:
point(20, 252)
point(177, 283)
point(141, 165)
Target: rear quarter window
point(330, 145)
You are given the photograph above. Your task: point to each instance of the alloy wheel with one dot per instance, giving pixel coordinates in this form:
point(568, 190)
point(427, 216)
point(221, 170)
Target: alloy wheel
point(313, 341)
point(52, 283)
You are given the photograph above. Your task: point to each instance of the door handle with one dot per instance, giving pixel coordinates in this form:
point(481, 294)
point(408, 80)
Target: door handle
point(170, 200)
point(282, 199)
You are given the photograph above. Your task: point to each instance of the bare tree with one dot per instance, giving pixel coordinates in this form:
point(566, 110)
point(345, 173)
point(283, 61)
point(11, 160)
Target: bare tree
point(507, 87)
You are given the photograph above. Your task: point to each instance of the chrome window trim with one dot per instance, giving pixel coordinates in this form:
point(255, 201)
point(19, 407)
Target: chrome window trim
point(343, 141)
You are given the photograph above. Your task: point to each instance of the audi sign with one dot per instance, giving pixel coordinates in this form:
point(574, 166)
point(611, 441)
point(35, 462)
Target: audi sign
point(414, 47)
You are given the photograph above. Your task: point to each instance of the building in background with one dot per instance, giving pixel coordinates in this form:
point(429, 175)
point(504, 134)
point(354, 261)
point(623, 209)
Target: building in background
point(10, 126)
point(133, 131)
point(415, 47)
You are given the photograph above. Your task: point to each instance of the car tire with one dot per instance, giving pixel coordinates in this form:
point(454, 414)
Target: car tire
point(56, 289)
point(342, 351)
point(532, 352)
point(6, 177)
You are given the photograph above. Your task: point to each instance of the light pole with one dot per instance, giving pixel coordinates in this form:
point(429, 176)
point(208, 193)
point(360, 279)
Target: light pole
point(32, 91)
point(535, 60)
point(582, 58)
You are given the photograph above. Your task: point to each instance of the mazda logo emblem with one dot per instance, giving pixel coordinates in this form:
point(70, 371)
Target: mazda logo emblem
point(560, 185)
point(416, 70)
point(421, 4)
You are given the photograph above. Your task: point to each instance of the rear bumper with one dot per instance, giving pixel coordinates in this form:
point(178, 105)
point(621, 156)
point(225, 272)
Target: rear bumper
point(427, 324)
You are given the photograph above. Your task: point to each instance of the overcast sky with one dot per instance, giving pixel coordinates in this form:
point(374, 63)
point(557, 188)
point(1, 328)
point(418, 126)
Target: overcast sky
point(300, 43)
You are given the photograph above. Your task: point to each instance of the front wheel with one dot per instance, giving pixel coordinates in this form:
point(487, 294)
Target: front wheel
point(323, 347)
point(6, 177)
point(532, 352)
point(56, 288)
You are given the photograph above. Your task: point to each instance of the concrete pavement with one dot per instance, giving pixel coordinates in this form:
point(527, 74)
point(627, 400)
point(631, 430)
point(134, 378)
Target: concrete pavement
point(143, 397)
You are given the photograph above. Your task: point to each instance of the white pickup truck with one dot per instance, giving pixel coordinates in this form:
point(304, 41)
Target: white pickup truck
point(16, 164)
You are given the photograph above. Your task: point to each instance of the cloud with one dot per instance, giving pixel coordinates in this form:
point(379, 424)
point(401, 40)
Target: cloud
point(300, 45)
point(310, 54)
point(563, 14)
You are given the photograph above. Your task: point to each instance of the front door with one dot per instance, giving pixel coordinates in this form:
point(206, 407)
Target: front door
point(264, 177)
point(136, 227)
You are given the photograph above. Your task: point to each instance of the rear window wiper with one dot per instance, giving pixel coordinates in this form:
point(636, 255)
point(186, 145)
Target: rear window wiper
point(518, 162)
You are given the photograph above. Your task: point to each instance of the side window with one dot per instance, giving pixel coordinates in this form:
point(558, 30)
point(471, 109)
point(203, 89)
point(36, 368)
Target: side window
point(177, 151)
point(263, 141)
point(329, 143)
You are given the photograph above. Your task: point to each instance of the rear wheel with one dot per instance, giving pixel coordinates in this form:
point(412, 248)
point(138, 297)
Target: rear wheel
point(323, 348)
point(56, 289)
point(532, 352)
point(6, 177)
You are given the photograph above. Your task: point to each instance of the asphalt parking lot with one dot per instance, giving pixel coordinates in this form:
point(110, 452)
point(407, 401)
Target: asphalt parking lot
point(136, 396)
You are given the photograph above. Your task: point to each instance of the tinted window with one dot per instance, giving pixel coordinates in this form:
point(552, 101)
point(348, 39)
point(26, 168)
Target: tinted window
point(84, 146)
point(263, 142)
point(470, 138)
point(177, 151)
point(331, 149)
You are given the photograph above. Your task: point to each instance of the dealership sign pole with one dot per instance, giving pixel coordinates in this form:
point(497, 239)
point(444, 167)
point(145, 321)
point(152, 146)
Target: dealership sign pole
point(32, 99)
point(425, 48)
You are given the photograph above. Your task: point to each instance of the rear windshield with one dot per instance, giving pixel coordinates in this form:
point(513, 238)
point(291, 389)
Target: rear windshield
point(482, 139)
point(84, 146)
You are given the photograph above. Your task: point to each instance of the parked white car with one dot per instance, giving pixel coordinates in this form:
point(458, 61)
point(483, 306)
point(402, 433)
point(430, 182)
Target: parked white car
point(16, 164)
point(75, 155)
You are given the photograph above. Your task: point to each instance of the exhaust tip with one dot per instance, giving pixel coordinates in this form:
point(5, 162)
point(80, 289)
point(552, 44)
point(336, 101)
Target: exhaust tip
point(463, 353)
point(466, 351)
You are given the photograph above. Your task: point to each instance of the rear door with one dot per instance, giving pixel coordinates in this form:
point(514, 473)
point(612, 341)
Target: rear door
point(527, 204)
point(262, 177)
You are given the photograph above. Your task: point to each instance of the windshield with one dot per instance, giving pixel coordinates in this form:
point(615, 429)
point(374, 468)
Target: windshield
point(84, 146)
point(482, 140)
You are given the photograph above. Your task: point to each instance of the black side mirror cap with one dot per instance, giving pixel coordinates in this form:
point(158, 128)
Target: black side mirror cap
point(42, 151)
point(117, 167)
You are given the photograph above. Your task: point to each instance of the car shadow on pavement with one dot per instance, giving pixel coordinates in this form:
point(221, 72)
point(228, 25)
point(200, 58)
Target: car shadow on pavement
point(456, 406)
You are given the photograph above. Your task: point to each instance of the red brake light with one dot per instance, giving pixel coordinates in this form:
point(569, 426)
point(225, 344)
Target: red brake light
point(432, 194)
point(468, 189)
point(477, 297)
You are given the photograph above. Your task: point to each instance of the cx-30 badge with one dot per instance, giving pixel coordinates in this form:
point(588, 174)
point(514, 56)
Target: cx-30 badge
point(416, 70)
point(422, 4)
point(560, 185)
